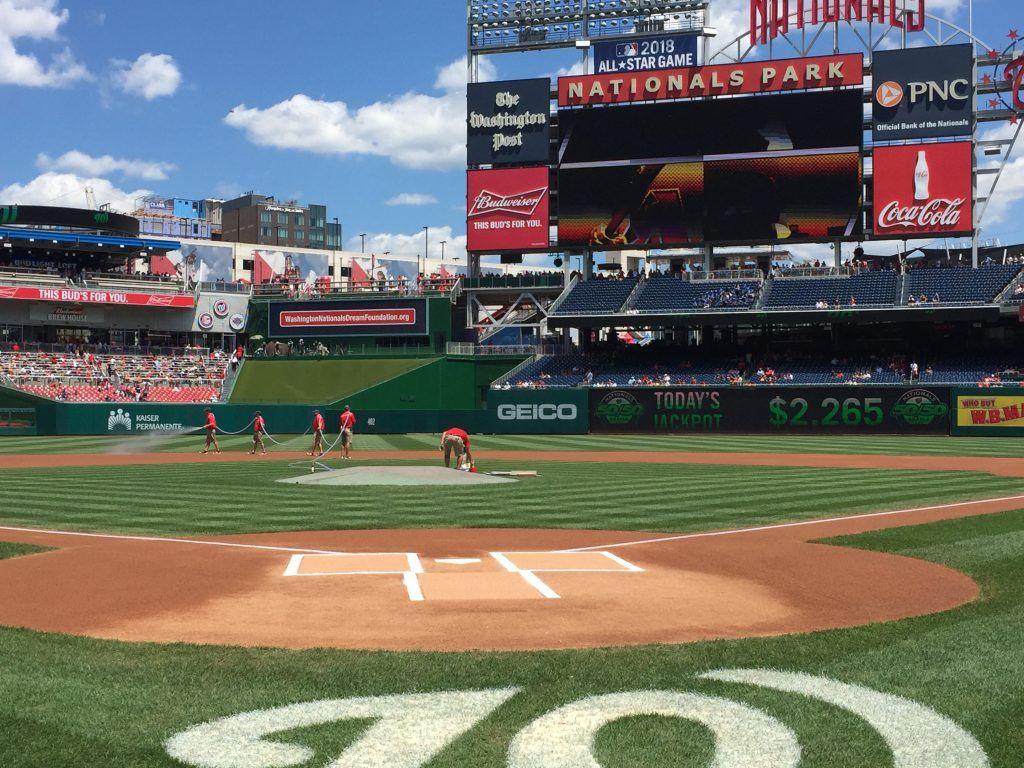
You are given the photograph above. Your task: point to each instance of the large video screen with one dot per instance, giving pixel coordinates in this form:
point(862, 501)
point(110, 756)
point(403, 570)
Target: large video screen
point(765, 169)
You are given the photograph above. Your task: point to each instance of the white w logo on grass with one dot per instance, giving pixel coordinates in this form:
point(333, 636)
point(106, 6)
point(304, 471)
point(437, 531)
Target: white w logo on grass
point(409, 730)
point(119, 419)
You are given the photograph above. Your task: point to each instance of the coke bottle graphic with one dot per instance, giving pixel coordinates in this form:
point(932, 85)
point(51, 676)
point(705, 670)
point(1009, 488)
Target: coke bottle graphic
point(922, 176)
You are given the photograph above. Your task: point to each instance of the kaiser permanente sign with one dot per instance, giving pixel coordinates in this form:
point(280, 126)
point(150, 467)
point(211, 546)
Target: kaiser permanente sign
point(719, 80)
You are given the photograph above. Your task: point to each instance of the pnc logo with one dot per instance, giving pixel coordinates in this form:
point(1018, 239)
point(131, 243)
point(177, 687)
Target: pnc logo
point(889, 94)
point(544, 412)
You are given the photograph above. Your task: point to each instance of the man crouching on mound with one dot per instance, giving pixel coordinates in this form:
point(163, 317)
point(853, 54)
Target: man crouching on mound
point(455, 440)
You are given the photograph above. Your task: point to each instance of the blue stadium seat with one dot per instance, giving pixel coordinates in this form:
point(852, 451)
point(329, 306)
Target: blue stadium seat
point(597, 296)
point(672, 294)
point(959, 285)
point(869, 289)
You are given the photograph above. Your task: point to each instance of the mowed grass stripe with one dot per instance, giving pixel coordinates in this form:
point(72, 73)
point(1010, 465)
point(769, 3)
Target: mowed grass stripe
point(213, 499)
point(872, 445)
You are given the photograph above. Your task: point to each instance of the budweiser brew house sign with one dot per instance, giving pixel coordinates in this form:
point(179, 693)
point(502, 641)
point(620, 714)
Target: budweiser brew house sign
point(923, 189)
point(771, 18)
point(508, 210)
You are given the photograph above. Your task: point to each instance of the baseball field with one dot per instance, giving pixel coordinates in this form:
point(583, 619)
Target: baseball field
point(737, 602)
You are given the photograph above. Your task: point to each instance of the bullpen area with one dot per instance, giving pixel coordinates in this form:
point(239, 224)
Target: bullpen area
point(640, 601)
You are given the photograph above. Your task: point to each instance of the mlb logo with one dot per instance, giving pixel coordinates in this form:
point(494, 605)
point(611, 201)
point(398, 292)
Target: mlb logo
point(624, 50)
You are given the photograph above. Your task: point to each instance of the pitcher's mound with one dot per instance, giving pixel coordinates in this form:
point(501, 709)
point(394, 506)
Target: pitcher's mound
point(394, 476)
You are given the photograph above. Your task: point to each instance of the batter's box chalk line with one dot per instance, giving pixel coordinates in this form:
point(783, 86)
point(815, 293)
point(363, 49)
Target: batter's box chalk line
point(382, 564)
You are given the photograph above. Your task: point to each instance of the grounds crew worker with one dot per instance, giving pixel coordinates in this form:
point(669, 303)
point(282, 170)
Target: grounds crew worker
point(211, 432)
point(348, 423)
point(455, 440)
point(318, 435)
point(259, 428)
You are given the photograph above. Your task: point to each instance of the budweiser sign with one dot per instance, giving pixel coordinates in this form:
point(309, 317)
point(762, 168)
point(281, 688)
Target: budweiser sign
point(771, 18)
point(508, 210)
point(523, 204)
point(923, 189)
point(77, 296)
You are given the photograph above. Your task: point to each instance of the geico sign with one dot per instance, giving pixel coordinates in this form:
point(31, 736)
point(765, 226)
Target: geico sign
point(545, 412)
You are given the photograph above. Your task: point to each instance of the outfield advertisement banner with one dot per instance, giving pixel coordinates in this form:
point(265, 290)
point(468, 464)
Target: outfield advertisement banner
point(321, 319)
point(997, 412)
point(538, 411)
point(82, 296)
point(790, 410)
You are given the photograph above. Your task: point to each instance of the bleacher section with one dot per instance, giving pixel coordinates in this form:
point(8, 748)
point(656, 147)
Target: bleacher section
point(671, 294)
point(867, 289)
point(958, 285)
point(87, 377)
point(641, 370)
point(597, 297)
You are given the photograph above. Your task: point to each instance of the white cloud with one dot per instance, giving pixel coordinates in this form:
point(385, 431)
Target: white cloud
point(150, 76)
point(68, 189)
point(578, 68)
point(412, 199)
point(1009, 195)
point(88, 165)
point(413, 130)
point(411, 245)
point(36, 20)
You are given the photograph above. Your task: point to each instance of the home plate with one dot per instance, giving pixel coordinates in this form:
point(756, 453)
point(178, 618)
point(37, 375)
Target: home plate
point(414, 476)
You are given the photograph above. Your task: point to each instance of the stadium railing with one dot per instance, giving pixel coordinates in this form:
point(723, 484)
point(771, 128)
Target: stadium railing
point(105, 349)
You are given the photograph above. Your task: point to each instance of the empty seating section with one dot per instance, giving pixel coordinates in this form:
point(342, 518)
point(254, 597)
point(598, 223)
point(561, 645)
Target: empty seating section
point(958, 285)
point(642, 370)
point(114, 378)
point(866, 289)
point(671, 294)
point(597, 297)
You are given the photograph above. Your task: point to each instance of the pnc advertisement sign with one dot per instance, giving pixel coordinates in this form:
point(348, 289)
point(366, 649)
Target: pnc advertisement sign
point(776, 76)
point(923, 93)
point(664, 52)
point(508, 210)
point(509, 122)
point(923, 189)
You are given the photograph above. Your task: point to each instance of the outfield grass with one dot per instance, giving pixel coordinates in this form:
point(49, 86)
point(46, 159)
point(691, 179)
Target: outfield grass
point(71, 701)
point(299, 382)
point(835, 444)
point(181, 499)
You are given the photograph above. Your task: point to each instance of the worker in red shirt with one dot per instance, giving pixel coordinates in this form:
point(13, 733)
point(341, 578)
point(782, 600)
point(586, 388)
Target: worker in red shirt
point(348, 423)
point(455, 440)
point(211, 432)
point(318, 435)
point(259, 428)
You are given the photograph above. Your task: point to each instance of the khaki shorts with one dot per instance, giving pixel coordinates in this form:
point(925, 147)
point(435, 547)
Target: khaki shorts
point(454, 443)
point(346, 437)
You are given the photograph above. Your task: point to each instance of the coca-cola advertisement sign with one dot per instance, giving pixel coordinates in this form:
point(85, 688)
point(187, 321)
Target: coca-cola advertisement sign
point(508, 210)
point(923, 189)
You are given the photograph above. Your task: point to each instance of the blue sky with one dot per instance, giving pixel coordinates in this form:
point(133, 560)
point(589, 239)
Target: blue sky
point(348, 104)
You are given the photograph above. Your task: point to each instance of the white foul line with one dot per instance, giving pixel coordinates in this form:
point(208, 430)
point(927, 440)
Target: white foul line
point(778, 526)
point(165, 539)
